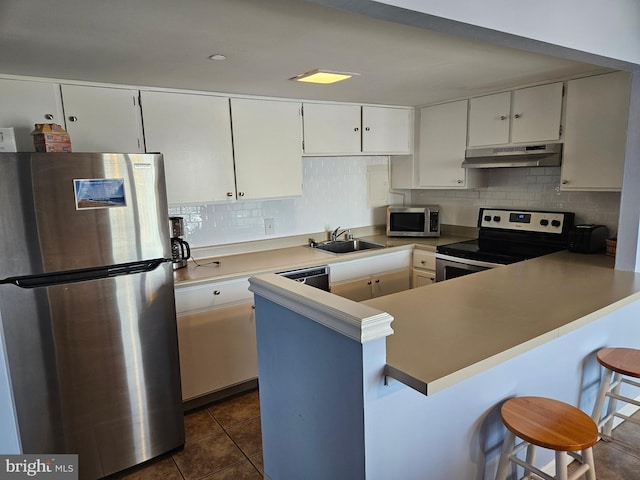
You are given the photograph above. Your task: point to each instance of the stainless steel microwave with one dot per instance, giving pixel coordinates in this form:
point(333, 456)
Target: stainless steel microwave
point(421, 221)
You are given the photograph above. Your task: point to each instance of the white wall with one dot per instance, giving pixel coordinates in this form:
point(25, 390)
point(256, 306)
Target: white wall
point(9, 440)
point(607, 28)
point(629, 210)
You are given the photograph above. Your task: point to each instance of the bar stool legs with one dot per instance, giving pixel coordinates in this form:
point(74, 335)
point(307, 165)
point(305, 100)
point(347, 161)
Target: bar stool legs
point(619, 364)
point(543, 422)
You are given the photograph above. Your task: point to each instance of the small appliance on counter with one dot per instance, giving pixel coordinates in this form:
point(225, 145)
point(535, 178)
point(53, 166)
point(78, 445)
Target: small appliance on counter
point(180, 250)
point(588, 238)
point(422, 221)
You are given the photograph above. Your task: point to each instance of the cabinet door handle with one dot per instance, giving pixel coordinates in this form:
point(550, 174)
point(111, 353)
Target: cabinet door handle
point(356, 129)
point(241, 194)
point(216, 292)
point(229, 194)
point(564, 182)
point(366, 129)
point(369, 282)
point(48, 116)
point(378, 280)
point(517, 115)
point(459, 182)
point(422, 262)
point(503, 117)
point(73, 118)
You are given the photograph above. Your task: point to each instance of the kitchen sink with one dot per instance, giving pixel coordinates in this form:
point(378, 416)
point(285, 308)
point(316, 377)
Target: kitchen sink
point(347, 246)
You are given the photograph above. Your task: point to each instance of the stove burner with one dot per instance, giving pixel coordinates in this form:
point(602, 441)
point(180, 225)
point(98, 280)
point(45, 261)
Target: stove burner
point(508, 236)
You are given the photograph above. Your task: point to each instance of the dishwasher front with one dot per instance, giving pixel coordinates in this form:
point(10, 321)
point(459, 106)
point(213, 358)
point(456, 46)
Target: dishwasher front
point(313, 276)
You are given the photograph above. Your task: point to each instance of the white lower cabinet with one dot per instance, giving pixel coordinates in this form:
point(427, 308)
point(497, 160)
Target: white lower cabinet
point(371, 277)
point(373, 286)
point(424, 268)
point(216, 337)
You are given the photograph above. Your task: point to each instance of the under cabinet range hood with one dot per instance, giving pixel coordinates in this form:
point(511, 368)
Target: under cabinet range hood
point(538, 155)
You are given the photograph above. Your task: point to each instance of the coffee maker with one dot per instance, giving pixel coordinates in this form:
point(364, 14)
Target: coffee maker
point(180, 250)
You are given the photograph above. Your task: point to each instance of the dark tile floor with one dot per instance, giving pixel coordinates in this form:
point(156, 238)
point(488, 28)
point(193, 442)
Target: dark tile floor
point(619, 459)
point(224, 442)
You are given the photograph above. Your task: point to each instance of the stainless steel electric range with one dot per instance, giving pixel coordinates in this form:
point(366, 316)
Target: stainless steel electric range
point(505, 236)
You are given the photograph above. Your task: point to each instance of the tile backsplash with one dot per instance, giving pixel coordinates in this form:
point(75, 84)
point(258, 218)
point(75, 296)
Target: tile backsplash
point(532, 188)
point(337, 192)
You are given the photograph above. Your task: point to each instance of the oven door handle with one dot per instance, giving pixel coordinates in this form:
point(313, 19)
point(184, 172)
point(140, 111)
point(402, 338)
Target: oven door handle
point(467, 261)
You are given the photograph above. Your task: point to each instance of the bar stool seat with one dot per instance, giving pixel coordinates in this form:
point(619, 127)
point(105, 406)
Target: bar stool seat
point(543, 422)
point(620, 365)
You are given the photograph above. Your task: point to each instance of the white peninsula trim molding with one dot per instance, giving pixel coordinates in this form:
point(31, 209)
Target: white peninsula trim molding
point(354, 320)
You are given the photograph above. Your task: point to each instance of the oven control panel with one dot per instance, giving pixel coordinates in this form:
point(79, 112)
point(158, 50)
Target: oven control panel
point(523, 220)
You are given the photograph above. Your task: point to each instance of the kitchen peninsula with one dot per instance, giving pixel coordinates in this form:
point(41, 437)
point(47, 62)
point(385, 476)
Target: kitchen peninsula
point(408, 385)
point(216, 321)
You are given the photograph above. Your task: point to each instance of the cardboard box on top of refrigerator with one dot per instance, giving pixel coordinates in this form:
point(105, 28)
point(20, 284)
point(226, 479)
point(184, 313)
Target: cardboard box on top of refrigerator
point(51, 137)
point(7, 140)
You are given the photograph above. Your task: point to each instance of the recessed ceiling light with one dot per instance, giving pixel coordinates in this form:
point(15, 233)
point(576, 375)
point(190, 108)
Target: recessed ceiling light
point(322, 76)
point(217, 56)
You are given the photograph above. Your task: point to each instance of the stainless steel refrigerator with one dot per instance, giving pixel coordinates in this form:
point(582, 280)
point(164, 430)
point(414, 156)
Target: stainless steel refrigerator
point(87, 307)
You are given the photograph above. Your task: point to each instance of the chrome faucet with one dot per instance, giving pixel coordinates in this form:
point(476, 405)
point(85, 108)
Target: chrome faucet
point(335, 234)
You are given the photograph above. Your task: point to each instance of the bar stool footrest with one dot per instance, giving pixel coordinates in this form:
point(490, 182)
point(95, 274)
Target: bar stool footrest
point(577, 474)
point(617, 396)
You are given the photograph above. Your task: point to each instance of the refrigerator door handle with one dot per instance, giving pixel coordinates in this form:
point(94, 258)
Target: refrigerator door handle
point(84, 274)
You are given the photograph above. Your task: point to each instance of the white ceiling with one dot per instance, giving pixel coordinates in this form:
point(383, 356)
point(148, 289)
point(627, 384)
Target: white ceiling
point(166, 43)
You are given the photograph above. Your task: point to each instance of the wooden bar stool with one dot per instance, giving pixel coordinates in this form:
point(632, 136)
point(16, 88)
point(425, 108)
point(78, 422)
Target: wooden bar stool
point(619, 364)
point(543, 422)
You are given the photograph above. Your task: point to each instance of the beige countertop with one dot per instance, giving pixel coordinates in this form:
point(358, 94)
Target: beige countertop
point(253, 263)
point(451, 330)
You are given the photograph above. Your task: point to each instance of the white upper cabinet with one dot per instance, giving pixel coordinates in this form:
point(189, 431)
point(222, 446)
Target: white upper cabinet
point(596, 131)
point(345, 129)
point(193, 132)
point(533, 115)
point(489, 119)
point(26, 103)
point(537, 113)
point(386, 130)
point(442, 144)
point(443, 138)
point(102, 119)
point(331, 128)
point(267, 142)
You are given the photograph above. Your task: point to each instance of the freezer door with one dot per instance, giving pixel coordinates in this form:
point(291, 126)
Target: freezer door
point(94, 368)
point(69, 211)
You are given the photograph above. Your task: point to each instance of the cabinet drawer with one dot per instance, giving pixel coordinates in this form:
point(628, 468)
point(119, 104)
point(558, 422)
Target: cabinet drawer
point(424, 259)
point(212, 295)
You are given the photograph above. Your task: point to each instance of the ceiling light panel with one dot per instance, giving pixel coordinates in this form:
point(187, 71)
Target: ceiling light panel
point(322, 76)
